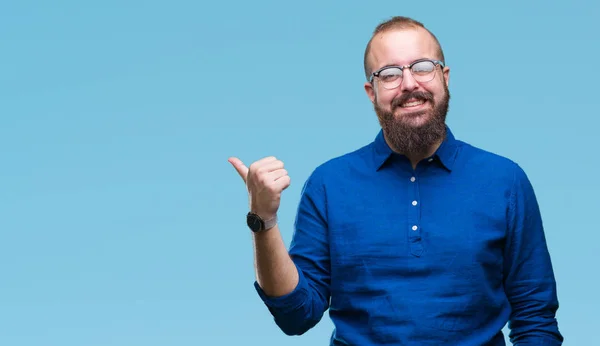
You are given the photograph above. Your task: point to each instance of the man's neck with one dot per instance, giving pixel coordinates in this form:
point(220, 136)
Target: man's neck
point(418, 157)
point(415, 159)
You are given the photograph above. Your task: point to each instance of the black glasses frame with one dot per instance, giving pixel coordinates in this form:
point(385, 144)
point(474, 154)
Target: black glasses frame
point(402, 68)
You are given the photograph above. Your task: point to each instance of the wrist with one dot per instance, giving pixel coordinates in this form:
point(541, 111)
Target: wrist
point(257, 223)
point(264, 213)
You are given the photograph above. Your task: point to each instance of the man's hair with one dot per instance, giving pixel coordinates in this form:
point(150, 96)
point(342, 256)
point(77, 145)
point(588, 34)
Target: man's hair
point(397, 22)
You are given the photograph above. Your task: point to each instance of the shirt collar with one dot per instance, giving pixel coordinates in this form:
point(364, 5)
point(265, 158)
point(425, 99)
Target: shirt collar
point(448, 150)
point(381, 150)
point(446, 153)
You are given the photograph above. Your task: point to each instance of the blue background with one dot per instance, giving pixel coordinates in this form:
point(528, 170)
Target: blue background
point(121, 221)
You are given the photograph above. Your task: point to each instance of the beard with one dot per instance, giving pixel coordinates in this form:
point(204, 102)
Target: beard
point(414, 140)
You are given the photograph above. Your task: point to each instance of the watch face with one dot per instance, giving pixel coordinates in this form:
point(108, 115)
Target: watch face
point(254, 222)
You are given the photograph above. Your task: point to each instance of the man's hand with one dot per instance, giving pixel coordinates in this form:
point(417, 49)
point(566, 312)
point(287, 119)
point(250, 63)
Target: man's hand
point(265, 180)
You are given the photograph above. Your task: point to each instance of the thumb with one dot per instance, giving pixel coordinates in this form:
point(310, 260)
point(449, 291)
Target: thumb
point(239, 167)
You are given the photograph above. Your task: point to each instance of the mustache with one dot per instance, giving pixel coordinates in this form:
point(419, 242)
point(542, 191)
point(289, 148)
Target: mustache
point(417, 95)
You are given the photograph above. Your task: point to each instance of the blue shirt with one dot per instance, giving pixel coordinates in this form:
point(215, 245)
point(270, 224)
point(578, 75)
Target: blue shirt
point(444, 254)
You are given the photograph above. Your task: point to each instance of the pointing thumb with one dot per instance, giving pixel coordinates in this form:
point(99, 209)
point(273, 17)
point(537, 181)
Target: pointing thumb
point(239, 167)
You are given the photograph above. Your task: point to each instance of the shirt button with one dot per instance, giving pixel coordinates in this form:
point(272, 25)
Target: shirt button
point(414, 228)
point(413, 179)
point(414, 202)
point(431, 159)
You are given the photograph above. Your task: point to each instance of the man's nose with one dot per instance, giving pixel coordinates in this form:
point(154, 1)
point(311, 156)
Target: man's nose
point(408, 81)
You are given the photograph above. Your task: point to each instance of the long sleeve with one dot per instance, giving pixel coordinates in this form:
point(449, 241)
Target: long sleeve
point(528, 275)
point(300, 310)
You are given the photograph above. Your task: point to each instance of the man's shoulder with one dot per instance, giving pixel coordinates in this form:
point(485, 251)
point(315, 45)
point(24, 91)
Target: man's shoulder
point(360, 158)
point(489, 162)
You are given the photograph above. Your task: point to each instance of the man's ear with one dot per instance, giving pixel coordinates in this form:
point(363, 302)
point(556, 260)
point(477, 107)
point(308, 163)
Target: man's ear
point(446, 74)
point(370, 90)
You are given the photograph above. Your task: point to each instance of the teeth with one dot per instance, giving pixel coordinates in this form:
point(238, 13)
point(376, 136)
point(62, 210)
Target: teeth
point(413, 103)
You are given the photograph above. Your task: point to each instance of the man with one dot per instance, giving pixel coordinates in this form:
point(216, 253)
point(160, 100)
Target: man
point(414, 239)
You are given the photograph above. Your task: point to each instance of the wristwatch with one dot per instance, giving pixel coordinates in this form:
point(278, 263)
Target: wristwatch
point(257, 224)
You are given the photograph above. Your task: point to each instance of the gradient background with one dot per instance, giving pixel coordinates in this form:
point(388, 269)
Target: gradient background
point(121, 221)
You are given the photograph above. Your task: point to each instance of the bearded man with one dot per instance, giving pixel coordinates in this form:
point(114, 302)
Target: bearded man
point(417, 238)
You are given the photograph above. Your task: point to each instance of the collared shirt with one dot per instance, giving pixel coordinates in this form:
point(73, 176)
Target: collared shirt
point(444, 254)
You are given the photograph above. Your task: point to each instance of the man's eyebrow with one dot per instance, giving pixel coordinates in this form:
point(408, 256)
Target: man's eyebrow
point(400, 65)
point(389, 65)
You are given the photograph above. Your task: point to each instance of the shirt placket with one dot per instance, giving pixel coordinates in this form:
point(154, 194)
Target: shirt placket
point(414, 218)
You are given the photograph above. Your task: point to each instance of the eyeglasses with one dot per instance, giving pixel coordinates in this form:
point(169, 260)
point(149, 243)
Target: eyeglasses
point(422, 70)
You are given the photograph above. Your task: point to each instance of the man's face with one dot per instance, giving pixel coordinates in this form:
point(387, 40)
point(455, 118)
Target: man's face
point(413, 114)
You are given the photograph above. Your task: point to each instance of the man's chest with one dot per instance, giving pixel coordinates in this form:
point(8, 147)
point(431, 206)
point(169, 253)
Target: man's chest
point(415, 228)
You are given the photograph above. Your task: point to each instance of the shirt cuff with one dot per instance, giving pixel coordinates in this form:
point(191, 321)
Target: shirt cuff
point(290, 301)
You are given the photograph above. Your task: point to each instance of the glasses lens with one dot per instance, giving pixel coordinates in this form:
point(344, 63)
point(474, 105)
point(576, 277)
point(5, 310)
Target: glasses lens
point(390, 77)
point(423, 71)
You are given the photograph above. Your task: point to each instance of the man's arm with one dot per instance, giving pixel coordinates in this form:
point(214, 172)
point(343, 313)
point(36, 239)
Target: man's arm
point(295, 291)
point(528, 275)
point(276, 274)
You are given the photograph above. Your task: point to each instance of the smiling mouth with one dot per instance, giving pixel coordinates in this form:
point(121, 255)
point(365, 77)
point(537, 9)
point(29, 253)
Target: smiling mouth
point(412, 103)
